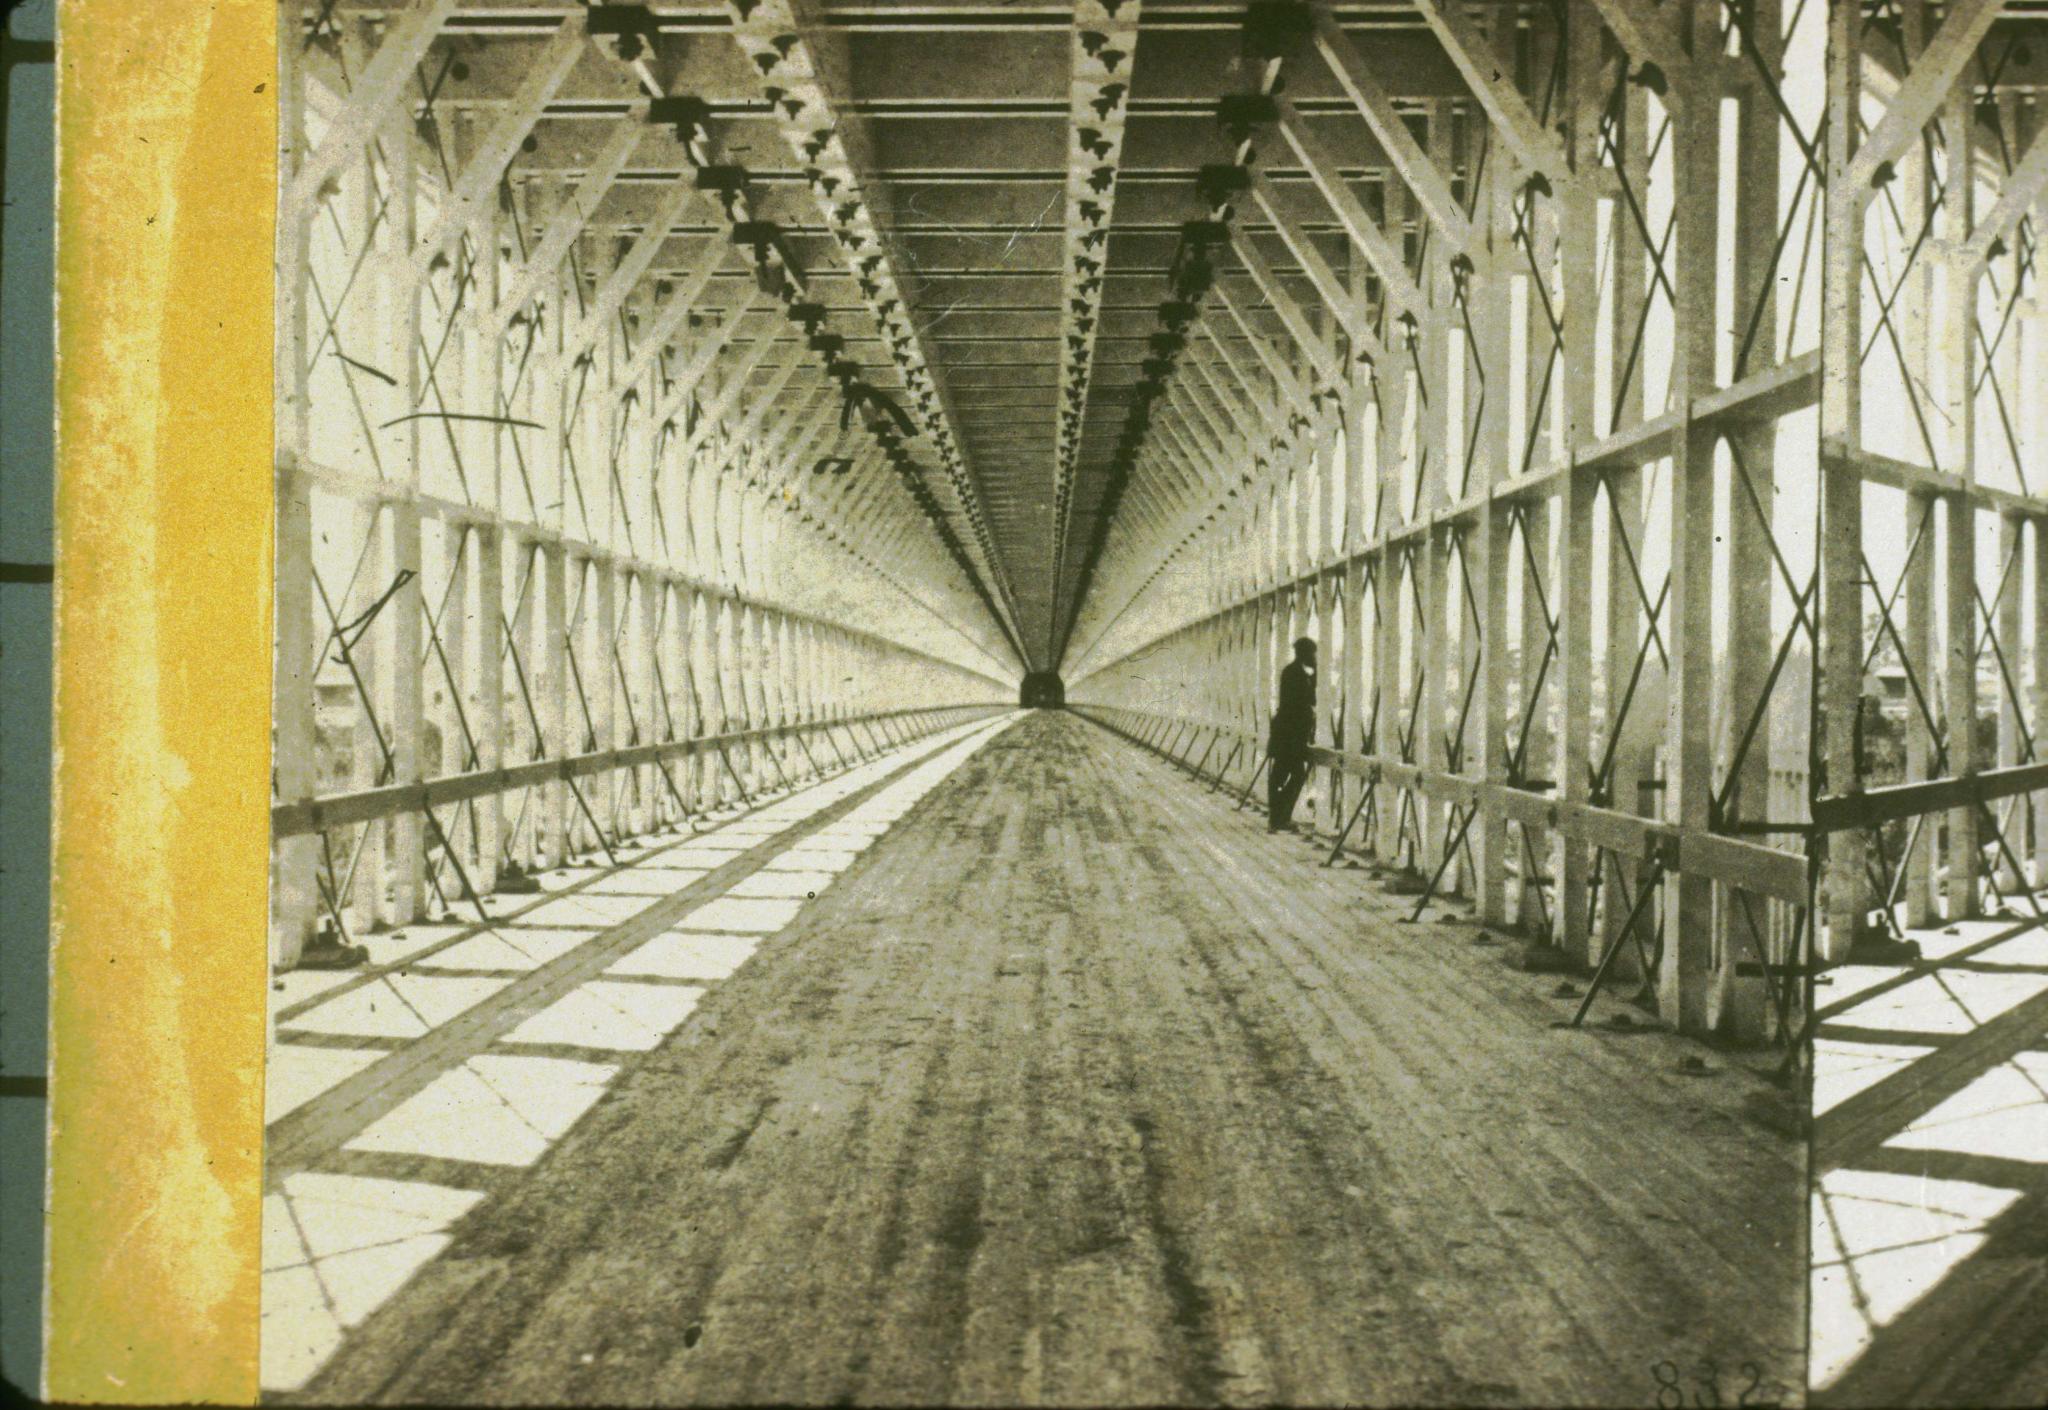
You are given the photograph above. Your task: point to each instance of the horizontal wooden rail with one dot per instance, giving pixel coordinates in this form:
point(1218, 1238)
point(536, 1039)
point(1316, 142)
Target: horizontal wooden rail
point(1760, 397)
point(372, 490)
point(392, 800)
point(1749, 866)
point(1905, 800)
point(1876, 468)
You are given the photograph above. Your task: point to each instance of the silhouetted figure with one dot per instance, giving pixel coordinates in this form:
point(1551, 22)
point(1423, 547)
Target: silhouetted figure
point(1294, 725)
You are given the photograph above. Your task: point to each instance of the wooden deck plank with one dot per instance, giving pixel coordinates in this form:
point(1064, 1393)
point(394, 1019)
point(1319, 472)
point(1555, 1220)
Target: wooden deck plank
point(1080, 1088)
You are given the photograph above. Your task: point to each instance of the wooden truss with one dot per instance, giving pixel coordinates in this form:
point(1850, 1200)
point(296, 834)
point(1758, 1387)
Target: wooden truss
point(1637, 400)
point(570, 548)
point(1515, 418)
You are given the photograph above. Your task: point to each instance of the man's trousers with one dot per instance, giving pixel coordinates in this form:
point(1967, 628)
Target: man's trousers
point(1284, 781)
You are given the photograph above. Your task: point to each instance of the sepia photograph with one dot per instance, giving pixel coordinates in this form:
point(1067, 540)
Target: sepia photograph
point(1156, 702)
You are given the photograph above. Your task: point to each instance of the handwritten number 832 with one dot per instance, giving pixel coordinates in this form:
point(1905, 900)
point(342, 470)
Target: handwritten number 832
point(1706, 1387)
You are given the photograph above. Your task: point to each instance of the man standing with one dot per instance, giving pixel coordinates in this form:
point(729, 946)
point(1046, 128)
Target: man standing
point(1294, 725)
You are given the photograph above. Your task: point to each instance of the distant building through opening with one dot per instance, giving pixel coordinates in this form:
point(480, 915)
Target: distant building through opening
point(1043, 690)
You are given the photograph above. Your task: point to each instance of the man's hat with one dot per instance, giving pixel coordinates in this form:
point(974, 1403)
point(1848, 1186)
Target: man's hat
point(1304, 645)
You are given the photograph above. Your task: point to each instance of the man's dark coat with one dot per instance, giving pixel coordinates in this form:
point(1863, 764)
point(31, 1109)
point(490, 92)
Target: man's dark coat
point(1294, 723)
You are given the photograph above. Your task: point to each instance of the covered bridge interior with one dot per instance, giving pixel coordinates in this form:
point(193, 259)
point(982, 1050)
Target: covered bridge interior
point(701, 425)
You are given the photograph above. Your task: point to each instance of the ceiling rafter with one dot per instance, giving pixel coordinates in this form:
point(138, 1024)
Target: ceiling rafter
point(1268, 40)
point(2017, 195)
point(1371, 240)
point(1248, 386)
point(680, 304)
point(1355, 76)
point(1650, 35)
point(780, 45)
point(1211, 448)
point(1104, 47)
point(1291, 314)
point(370, 98)
point(1533, 144)
point(677, 390)
point(1919, 96)
point(776, 276)
point(481, 176)
point(816, 428)
point(621, 281)
point(1283, 375)
point(1180, 483)
point(1220, 433)
point(570, 218)
point(735, 385)
point(1237, 395)
point(1329, 288)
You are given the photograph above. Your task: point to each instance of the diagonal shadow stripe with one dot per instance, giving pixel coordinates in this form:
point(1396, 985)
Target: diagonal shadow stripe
point(512, 918)
point(1955, 959)
point(315, 1130)
point(1847, 1133)
point(1977, 1336)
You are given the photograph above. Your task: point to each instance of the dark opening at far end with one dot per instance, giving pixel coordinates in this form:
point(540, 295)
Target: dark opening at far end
point(1042, 690)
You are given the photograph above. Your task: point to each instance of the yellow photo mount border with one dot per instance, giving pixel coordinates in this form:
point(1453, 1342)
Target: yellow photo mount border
point(166, 204)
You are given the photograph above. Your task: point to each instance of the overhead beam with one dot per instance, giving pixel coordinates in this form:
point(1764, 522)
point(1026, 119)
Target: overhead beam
point(1264, 75)
point(1232, 396)
point(371, 98)
point(1329, 288)
point(1355, 77)
point(1373, 242)
point(568, 221)
point(1533, 144)
point(1103, 44)
point(620, 282)
point(2023, 186)
point(781, 49)
point(478, 183)
point(682, 300)
point(1649, 34)
point(733, 388)
point(677, 396)
point(1281, 373)
point(1290, 312)
point(1920, 96)
point(772, 269)
point(1247, 386)
point(747, 435)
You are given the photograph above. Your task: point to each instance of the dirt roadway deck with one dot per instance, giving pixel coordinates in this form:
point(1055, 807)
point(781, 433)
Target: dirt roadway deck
point(1079, 1087)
